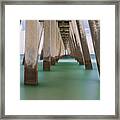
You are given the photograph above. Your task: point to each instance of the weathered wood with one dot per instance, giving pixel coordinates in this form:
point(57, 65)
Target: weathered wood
point(61, 43)
point(57, 43)
point(72, 45)
point(78, 53)
point(41, 30)
point(53, 41)
point(46, 64)
point(40, 26)
point(62, 47)
point(30, 75)
point(64, 30)
point(77, 40)
point(72, 49)
point(68, 49)
point(31, 52)
point(84, 46)
point(46, 46)
point(95, 33)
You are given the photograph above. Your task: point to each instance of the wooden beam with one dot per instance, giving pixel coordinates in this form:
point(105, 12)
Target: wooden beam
point(64, 29)
point(53, 41)
point(72, 45)
point(84, 45)
point(95, 33)
point(57, 43)
point(41, 30)
point(77, 39)
point(63, 23)
point(31, 52)
point(46, 46)
point(60, 46)
point(79, 56)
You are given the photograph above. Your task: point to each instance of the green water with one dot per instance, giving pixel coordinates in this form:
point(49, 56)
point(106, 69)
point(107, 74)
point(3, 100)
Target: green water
point(65, 81)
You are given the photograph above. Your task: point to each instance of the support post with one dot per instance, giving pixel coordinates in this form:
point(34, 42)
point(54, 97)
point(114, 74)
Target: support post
point(31, 52)
point(84, 45)
point(53, 41)
point(46, 46)
point(57, 43)
point(79, 56)
point(95, 33)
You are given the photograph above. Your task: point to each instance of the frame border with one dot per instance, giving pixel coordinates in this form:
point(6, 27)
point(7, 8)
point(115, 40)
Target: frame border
point(69, 2)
